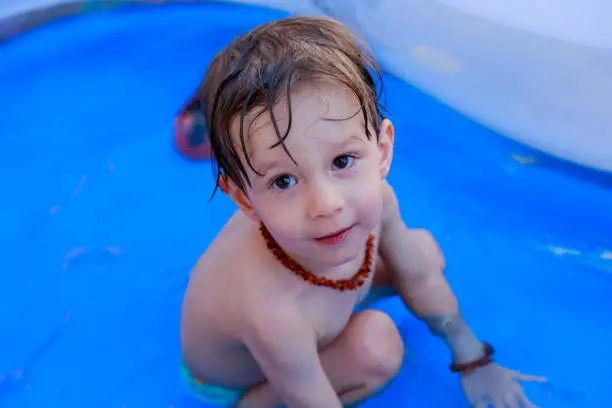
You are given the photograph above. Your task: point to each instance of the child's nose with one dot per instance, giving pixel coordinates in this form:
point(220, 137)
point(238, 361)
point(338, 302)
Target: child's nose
point(325, 200)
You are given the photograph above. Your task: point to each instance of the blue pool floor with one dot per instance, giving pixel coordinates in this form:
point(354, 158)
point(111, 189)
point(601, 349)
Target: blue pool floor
point(101, 221)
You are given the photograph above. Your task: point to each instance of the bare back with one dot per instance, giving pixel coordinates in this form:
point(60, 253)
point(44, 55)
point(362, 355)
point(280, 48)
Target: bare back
point(237, 279)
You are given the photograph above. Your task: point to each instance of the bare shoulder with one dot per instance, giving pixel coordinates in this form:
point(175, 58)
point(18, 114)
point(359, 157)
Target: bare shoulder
point(234, 302)
point(230, 281)
point(400, 244)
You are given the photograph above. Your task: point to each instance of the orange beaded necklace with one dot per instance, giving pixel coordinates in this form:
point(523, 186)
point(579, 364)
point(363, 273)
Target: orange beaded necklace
point(356, 281)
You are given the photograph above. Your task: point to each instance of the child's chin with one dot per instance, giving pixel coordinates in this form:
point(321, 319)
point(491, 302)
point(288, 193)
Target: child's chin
point(338, 255)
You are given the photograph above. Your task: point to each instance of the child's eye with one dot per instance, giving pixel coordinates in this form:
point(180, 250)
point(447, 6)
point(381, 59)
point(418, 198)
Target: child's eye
point(343, 162)
point(283, 182)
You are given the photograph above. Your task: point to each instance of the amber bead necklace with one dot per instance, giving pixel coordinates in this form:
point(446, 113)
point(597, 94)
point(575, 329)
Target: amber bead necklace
point(356, 281)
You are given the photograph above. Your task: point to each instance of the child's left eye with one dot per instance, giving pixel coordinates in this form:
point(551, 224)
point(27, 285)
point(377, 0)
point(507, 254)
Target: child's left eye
point(343, 162)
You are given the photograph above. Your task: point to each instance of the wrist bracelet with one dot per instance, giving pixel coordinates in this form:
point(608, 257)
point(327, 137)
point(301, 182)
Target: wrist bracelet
point(465, 368)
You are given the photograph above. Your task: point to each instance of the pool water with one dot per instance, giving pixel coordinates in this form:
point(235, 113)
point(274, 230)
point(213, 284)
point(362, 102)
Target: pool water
point(101, 221)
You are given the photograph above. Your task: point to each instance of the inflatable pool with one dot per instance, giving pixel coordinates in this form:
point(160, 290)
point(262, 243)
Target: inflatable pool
point(101, 219)
point(538, 72)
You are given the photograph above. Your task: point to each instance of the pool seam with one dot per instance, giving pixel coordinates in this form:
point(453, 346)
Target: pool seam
point(14, 25)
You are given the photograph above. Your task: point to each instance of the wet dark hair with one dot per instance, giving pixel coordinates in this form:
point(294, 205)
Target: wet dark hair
point(262, 66)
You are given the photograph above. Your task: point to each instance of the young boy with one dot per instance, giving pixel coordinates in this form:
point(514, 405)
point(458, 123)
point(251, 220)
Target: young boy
point(303, 149)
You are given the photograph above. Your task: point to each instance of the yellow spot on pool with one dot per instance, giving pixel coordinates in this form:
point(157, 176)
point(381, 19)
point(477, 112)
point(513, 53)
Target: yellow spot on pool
point(435, 59)
point(524, 159)
point(563, 251)
point(606, 255)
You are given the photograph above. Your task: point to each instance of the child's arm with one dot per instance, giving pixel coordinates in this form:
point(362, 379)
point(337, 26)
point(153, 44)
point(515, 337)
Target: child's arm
point(418, 262)
point(286, 350)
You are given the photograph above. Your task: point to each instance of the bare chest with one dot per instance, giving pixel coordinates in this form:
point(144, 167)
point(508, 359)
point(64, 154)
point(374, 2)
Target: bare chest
point(329, 311)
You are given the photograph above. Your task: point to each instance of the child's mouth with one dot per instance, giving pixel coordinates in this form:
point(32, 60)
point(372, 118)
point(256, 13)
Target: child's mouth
point(335, 238)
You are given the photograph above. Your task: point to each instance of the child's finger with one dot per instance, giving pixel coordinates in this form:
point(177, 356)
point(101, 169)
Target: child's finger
point(512, 400)
point(528, 378)
point(525, 403)
point(479, 402)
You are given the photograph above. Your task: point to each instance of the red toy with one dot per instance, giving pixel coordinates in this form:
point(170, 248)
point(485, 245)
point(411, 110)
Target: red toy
point(190, 135)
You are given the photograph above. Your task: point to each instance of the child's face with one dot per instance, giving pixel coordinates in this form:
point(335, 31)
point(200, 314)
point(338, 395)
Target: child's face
point(323, 208)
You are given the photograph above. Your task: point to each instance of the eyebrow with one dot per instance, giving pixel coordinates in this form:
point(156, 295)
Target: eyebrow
point(267, 168)
point(353, 138)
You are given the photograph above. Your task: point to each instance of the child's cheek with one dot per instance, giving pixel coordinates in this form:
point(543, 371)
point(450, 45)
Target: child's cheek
point(370, 206)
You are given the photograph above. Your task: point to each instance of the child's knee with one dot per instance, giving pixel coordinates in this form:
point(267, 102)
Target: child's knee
point(380, 349)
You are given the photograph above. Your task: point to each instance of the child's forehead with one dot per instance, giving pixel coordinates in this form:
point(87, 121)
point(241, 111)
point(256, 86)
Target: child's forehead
point(311, 110)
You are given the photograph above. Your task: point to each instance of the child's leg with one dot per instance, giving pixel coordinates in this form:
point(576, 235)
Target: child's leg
point(360, 362)
point(365, 357)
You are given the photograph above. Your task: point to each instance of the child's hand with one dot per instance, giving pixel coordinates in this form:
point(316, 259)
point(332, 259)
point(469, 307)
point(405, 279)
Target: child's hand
point(496, 386)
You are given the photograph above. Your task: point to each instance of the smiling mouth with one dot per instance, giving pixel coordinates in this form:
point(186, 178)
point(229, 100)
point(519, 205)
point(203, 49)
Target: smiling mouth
point(335, 238)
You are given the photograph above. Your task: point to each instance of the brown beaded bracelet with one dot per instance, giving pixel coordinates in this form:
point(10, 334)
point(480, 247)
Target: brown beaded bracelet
point(466, 368)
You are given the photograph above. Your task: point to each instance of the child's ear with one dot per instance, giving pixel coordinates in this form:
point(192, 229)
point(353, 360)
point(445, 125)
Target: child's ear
point(223, 184)
point(385, 145)
point(239, 197)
